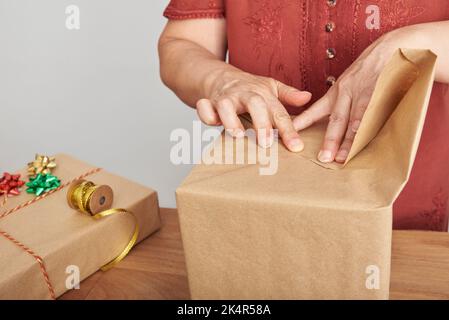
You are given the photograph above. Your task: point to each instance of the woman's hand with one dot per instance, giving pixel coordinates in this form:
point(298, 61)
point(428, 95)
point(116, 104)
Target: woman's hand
point(234, 92)
point(192, 54)
point(346, 101)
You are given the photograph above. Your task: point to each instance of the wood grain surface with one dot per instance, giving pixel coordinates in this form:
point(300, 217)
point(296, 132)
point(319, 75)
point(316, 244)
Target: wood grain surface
point(155, 269)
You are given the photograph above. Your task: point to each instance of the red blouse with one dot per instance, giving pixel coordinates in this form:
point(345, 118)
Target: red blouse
point(309, 43)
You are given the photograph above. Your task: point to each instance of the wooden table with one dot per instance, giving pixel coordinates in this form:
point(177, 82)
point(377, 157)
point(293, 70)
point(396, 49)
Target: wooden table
point(155, 269)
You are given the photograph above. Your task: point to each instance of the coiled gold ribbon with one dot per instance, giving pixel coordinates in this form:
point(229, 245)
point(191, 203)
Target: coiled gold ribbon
point(80, 196)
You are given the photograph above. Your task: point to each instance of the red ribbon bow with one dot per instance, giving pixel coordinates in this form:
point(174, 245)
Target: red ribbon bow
point(10, 184)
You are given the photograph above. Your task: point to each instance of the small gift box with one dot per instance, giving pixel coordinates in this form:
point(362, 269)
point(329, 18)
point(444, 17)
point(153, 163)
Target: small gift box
point(308, 230)
point(43, 240)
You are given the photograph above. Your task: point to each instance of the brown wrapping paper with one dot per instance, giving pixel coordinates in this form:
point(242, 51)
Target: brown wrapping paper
point(310, 231)
point(63, 237)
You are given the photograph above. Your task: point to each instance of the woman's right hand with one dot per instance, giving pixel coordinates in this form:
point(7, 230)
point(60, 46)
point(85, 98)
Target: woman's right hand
point(193, 54)
point(233, 92)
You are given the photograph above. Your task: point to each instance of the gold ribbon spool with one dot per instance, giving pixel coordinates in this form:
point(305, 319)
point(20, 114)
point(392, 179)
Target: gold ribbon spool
point(96, 200)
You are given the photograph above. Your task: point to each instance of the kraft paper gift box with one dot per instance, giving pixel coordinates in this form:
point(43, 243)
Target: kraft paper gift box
point(309, 231)
point(64, 237)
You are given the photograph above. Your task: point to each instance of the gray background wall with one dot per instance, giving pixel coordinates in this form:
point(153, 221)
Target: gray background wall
point(94, 93)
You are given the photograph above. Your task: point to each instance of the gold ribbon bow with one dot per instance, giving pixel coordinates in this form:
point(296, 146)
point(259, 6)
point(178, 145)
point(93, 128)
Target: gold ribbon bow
point(41, 165)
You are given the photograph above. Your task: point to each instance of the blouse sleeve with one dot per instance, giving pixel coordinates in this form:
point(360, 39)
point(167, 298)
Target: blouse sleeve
point(194, 9)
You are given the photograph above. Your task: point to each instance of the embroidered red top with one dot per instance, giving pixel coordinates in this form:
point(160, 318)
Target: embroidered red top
point(308, 44)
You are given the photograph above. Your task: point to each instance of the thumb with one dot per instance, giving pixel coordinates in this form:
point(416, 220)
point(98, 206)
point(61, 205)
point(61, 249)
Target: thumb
point(291, 96)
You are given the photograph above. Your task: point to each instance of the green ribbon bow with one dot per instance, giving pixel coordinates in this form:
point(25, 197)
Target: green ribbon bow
point(42, 183)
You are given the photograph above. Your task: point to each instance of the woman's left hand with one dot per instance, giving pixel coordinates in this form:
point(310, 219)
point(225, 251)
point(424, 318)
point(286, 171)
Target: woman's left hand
point(346, 101)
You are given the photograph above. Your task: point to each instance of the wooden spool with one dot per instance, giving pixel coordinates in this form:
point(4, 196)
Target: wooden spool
point(100, 200)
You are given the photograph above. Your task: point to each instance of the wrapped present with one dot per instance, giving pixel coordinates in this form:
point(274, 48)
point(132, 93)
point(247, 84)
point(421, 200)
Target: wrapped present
point(44, 241)
point(310, 230)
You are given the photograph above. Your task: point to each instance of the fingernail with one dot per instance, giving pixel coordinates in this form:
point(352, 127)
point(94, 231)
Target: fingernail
point(239, 133)
point(341, 156)
point(263, 141)
point(355, 126)
point(269, 139)
point(296, 145)
point(307, 93)
point(325, 156)
point(265, 137)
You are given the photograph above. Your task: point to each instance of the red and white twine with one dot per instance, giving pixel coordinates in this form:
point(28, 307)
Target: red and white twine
point(22, 246)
